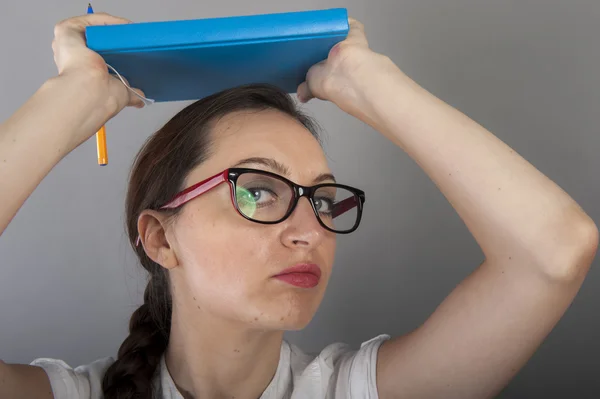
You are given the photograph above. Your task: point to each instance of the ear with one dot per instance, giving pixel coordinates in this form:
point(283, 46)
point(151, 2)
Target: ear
point(152, 231)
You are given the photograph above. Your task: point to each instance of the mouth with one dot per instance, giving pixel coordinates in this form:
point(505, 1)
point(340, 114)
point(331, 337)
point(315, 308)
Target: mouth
point(304, 275)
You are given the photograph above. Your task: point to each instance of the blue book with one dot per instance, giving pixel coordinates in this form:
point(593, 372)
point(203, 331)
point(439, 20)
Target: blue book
point(191, 59)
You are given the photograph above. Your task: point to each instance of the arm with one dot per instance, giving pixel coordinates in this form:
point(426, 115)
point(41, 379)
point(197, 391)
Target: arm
point(40, 134)
point(538, 243)
point(538, 246)
point(21, 382)
point(63, 113)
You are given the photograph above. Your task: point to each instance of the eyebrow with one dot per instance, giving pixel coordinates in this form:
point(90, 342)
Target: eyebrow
point(281, 168)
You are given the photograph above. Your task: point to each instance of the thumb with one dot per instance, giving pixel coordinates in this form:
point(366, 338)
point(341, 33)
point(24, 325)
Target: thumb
point(132, 100)
point(135, 95)
point(312, 86)
point(136, 101)
point(303, 93)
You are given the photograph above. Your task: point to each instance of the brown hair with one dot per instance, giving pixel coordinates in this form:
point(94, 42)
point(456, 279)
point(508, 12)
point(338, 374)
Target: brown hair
point(158, 173)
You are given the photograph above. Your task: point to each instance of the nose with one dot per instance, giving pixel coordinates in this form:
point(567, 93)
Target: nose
point(302, 229)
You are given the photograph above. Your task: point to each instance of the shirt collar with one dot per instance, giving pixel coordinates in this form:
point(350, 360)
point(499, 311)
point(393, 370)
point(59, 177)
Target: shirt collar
point(279, 387)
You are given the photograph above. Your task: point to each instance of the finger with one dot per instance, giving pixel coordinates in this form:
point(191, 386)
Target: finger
point(75, 27)
point(356, 33)
point(99, 18)
point(313, 81)
point(303, 93)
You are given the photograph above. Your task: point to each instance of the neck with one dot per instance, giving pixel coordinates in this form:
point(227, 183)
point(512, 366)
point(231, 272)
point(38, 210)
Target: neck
point(209, 357)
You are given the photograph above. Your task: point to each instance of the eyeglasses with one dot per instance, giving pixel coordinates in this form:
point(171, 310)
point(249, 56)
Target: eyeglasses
point(267, 198)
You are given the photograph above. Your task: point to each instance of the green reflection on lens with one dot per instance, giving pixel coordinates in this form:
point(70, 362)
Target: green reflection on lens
point(246, 201)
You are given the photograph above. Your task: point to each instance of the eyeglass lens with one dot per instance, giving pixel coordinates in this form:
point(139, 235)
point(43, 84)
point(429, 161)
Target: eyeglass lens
point(267, 199)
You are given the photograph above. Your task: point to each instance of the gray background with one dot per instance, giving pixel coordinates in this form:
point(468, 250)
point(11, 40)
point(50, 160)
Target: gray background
point(528, 70)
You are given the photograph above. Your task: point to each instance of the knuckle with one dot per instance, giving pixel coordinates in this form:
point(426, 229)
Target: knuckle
point(61, 27)
point(356, 23)
point(103, 15)
point(344, 47)
point(58, 28)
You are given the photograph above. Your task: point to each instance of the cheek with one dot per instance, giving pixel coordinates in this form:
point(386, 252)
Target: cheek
point(327, 251)
point(220, 252)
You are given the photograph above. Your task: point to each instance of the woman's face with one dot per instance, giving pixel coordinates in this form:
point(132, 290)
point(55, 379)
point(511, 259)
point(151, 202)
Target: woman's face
point(225, 263)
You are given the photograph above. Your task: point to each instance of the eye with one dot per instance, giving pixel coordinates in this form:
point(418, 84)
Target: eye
point(260, 196)
point(324, 205)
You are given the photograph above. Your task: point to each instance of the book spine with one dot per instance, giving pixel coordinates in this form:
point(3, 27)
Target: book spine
point(218, 31)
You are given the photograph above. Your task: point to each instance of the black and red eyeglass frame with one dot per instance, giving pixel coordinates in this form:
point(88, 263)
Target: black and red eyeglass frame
point(231, 176)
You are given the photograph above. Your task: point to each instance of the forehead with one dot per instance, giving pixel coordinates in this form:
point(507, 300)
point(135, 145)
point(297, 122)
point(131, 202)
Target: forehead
point(264, 134)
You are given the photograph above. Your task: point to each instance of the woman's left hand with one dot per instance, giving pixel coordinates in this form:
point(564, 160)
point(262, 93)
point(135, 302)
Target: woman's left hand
point(339, 77)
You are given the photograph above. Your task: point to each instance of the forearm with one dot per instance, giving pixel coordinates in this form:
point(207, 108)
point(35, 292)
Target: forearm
point(513, 210)
point(39, 135)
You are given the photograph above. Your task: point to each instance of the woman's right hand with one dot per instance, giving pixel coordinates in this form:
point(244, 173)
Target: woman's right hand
point(75, 60)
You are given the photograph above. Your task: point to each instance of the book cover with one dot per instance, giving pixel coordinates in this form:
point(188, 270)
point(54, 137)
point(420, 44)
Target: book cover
point(190, 59)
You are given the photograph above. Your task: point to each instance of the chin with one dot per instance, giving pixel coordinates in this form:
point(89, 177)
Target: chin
point(287, 316)
point(275, 323)
point(296, 324)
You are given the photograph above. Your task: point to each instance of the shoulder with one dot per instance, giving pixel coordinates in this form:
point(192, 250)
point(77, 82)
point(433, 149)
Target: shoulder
point(83, 381)
point(338, 371)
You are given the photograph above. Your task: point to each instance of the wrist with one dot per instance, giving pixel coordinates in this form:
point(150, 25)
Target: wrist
point(85, 97)
point(89, 89)
point(378, 86)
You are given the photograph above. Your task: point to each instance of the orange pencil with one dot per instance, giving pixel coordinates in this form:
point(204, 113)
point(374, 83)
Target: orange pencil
point(101, 145)
point(101, 134)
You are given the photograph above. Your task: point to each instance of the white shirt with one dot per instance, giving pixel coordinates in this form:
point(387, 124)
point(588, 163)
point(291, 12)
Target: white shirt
point(337, 372)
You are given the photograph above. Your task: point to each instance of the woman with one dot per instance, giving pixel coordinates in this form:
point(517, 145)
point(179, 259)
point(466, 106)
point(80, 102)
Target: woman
point(233, 265)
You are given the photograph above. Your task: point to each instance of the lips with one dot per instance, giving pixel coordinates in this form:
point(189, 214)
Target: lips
point(302, 275)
